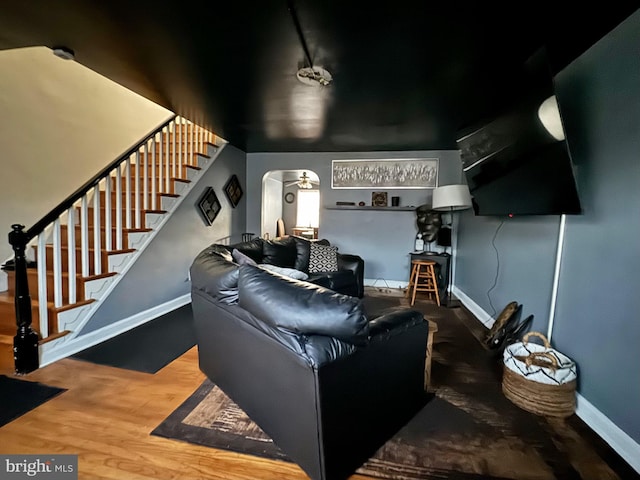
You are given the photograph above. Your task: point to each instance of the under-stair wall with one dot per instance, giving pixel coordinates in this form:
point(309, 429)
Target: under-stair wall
point(158, 281)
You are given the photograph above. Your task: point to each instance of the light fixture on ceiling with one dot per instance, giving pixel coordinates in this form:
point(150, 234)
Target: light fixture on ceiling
point(64, 53)
point(309, 75)
point(314, 76)
point(303, 182)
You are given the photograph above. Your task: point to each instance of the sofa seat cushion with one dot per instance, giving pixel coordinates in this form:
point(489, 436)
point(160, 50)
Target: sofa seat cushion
point(301, 307)
point(287, 272)
point(333, 280)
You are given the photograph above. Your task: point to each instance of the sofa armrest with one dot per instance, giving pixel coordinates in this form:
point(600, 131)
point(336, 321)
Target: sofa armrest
point(356, 265)
point(393, 322)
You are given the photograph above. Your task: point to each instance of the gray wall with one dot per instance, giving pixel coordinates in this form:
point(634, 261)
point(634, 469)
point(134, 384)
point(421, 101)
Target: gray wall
point(517, 266)
point(290, 210)
point(160, 273)
point(598, 297)
point(384, 239)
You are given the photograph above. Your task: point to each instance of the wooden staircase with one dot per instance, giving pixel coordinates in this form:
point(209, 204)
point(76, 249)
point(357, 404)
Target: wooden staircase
point(155, 182)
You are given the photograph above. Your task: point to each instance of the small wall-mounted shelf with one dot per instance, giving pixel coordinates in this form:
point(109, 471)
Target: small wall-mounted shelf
point(369, 207)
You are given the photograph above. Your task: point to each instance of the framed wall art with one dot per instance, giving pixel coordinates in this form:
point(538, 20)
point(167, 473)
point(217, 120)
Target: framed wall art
point(387, 173)
point(379, 199)
point(209, 205)
point(233, 190)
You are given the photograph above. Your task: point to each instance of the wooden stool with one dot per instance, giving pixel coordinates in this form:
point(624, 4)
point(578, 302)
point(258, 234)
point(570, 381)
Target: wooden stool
point(423, 279)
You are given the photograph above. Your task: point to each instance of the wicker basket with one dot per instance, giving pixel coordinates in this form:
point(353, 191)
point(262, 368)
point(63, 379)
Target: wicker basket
point(538, 378)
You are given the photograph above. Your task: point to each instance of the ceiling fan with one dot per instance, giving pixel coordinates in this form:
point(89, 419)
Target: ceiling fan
point(303, 182)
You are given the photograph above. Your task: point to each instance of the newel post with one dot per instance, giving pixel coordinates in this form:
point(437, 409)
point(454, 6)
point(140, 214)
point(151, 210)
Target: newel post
point(25, 343)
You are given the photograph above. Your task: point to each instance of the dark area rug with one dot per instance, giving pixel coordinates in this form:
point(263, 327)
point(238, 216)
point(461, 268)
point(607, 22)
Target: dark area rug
point(18, 397)
point(149, 347)
point(469, 430)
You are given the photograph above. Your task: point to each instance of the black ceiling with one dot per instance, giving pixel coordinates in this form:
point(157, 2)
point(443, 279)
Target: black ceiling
point(407, 74)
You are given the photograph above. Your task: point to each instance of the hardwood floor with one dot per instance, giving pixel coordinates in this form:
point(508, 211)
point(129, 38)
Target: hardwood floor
point(106, 415)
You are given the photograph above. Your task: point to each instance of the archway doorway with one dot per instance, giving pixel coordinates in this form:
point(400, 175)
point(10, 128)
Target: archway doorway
point(294, 197)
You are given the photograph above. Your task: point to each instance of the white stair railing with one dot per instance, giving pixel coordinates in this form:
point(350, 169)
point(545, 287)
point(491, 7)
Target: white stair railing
point(100, 216)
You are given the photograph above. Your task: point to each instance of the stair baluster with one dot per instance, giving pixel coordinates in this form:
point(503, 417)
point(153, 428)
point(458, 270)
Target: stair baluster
point(118, 172)
point(71, 254)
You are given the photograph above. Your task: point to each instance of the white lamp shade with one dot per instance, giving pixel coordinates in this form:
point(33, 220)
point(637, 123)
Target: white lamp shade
point(451, 197)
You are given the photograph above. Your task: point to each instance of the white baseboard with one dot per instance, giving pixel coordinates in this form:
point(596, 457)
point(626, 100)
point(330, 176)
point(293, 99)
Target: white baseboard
point(486, 319)
point(381, 282)
point(622, 443)
point(53, 351)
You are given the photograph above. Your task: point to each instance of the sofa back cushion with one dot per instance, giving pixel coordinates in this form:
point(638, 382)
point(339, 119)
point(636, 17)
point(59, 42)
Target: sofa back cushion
point(252, 249)
point(281, 253)
point(240, 258)
point(301, 307)
point(303, 251)
point(214, 272)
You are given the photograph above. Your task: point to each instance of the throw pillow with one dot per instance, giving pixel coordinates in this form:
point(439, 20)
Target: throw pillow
point(302, 252)
point(287, 272)
point(323, 258)
point(242, 259)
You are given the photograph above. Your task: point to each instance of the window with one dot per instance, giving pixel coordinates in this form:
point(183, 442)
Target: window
point(308, 214)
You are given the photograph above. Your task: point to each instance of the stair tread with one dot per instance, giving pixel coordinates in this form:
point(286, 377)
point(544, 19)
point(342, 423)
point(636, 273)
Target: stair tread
point(6, 297)
point(92, 249)
point(99, 276)
point(118, 252)
point(50, 305)
point(88, 278)
point(113, 227)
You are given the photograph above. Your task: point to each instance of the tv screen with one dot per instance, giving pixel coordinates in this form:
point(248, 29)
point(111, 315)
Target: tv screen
point(512, 164)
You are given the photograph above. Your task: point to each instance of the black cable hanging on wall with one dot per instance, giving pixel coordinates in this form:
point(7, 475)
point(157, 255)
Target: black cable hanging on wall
point(495, 280)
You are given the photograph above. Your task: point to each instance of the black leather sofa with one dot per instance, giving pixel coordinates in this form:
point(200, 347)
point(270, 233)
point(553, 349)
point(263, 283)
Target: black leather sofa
point(325, 380)
point(294, 252)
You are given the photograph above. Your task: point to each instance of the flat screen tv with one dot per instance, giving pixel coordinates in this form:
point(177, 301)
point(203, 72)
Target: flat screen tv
point(512, 164)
